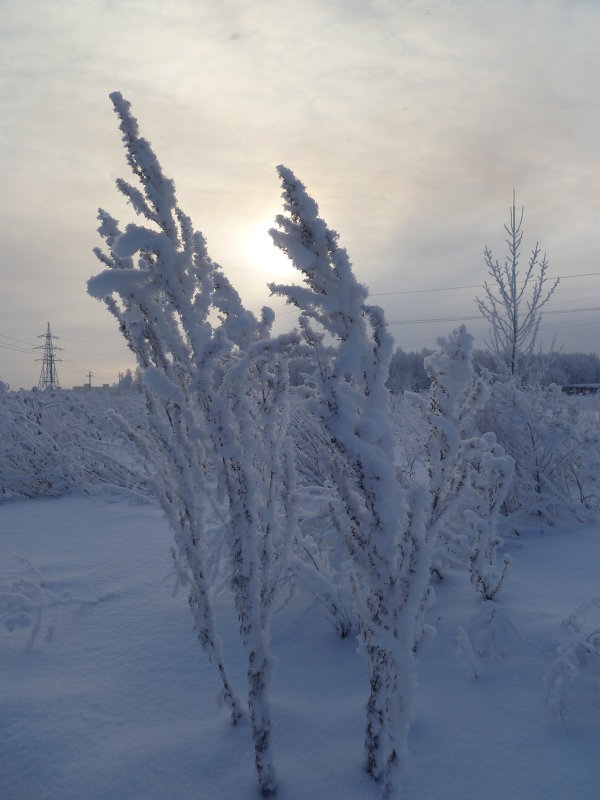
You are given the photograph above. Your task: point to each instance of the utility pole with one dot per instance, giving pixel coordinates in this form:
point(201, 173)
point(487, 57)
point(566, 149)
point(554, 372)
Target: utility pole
point(48, 375)
point(89, 380)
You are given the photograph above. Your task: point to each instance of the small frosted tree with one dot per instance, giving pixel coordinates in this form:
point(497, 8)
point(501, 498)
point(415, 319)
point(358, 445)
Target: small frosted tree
point(449, 412)
point(491, 475)
point(469, 476)
point(216, 394)
point(469, 473)
point(512, 304)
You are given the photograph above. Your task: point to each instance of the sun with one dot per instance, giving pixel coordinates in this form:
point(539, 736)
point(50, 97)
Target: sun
point(264, 255)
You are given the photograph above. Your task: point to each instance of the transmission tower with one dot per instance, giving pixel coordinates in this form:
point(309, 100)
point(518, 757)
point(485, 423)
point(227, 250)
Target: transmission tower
point(48, 375)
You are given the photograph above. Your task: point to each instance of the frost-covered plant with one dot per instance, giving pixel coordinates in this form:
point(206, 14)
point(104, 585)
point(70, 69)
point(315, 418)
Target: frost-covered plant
point(311, 443)
point(575, 672)
point(319, 560)
point(150, 325)
point(469, 473)
point(216, 389)
point(453, 397)
point(31, 463)
point(381, 524)
point(556, 449)
point(52, 442)
point(491, 475)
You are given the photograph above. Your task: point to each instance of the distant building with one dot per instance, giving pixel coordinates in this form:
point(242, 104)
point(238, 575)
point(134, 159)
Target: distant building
point(582, 388)
point(87, 388)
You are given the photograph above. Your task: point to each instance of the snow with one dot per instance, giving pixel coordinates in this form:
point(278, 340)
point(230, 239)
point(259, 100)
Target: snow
point(114, 698)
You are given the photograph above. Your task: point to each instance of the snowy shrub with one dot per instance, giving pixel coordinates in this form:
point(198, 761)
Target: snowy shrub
point(380, 523)
point(409, 429)
point(52, 442)
point(31, 463)
point(448, 413)
point(315, 460)
point(388, 520)
point(491, 474)
point(319, 560)
point(573, 680)
point(556, 449)
point(555, 452)
point(216, 393)
point(469, 473)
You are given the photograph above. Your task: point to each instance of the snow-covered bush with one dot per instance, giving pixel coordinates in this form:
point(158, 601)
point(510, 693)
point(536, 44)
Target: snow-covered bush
point(491, 474)
point(573, 679)
point(318, 559)
point(31, 463)
point(448, 411)
point(555, 445)
point(469, 473)
point(555, 452)
point(52, 442)
point(389, 521)
point(380, 523)
point(216, 392)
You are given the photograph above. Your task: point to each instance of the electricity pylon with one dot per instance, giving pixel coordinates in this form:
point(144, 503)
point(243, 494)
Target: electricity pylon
point(48, 375)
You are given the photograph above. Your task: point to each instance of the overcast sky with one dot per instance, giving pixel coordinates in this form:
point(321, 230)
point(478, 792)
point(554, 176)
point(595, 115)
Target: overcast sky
point(409, 122)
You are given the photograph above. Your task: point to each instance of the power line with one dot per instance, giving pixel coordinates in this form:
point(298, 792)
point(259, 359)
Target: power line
point(15, 348)
point(76, 371)
point(12, 338)
point(423, 291)
point(470, 286)
point(574, 322)
point(465, 318)
point(575, 300)
point(433, 319)
point(570, 310)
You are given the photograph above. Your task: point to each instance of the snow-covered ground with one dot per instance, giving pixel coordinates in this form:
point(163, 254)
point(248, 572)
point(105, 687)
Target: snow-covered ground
point(114, 698)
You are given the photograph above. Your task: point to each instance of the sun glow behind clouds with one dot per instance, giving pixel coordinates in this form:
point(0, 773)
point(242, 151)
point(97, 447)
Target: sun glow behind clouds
point(264, 255)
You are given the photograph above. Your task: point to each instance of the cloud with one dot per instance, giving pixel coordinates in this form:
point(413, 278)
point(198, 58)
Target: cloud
point(409, 122)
